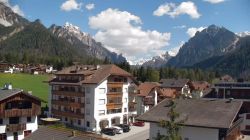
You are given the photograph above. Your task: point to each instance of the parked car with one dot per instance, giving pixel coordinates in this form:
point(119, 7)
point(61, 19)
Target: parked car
point(125, 127)
point(109, 131)
point(139, 123)
point(119, 130)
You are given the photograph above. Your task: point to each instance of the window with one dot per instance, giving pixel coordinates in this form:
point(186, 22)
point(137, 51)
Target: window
point(13, 120)
point(87, 101)
point(101, 112)
point(3, 136)
point(87, 111)
point(1, 121)
point(125, 109)
point(65, 119)
point(28, 119)
point(113, 111)
point(83, 89)
point(79, 122)
point(125, 100)
point(102, 90)
point(101, 101)
point(87, 89)
point(126, 90)
point(88, 123)
point(15, 134)
point(27, 133)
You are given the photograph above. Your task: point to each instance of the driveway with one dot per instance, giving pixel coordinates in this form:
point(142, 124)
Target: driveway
point(136, 133)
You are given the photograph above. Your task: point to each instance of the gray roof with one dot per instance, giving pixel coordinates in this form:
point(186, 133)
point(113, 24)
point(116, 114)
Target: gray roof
point(197, 112)
point(47, 133)
point(173, 83)
point(6, 93)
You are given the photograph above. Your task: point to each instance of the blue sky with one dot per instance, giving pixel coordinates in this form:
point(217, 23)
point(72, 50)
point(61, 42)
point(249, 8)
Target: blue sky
point(140, 29)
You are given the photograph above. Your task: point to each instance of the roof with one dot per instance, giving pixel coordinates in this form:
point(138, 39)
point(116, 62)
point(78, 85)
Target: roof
point(173, 83)
point(6, 93)
point(146, 88)
point(166, 92)
point(93, 74)
point(47, 133)
point(200, 85)
point(197, 112)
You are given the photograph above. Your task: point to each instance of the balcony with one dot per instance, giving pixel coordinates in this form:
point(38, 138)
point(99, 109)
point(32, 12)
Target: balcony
point(68, 93)
point(67, 114)
point(114, 105)
point(112, 84)
point(67, 103)
point(114, 94)
point(21, 112)
point(15, 127)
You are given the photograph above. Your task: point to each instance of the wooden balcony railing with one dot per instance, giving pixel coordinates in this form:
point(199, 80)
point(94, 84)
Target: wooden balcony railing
point(67, 114)
point(68, 103)
point(115, 84)
point(114, 94)
point(15, 127)
point(68, 93)
point(21, 112)
point(114, 105)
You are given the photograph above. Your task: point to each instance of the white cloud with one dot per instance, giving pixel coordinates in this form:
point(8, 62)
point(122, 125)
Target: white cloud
point(69, 5)
point(180, 27)
point(174, 10)
point(214, 1)
point(120, 31)
point(90, 6)
point(16, 9)
point(191, 31)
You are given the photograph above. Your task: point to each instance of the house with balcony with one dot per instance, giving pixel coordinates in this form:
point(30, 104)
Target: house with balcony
point(181, 86)
point(199, 119)
point(92, 97)
point(150, 94)
point(18, 113)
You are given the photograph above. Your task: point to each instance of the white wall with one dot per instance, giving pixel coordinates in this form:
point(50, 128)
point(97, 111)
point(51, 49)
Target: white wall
point(245, 121)
point(33, 126)
point(91, 96)
point(192, 133)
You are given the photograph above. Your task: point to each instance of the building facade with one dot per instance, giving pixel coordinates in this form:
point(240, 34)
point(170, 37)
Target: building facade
point(18, 114)
point(92, 97)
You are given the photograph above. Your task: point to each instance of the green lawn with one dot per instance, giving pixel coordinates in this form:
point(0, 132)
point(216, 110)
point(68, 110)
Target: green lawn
point(28, 82)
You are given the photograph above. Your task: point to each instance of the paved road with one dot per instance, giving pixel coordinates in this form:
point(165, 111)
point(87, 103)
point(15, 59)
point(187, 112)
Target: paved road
point(139, 136)
point(136, 133)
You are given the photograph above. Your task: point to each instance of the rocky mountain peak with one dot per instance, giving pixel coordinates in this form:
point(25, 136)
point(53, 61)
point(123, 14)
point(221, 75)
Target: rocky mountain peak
point(9, 18)
point(210, 42)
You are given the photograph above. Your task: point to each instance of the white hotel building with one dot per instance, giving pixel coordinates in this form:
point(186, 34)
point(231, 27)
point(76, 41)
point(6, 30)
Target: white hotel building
point(91, 97)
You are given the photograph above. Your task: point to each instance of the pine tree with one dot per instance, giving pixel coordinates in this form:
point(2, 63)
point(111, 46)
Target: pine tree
point(172, 125)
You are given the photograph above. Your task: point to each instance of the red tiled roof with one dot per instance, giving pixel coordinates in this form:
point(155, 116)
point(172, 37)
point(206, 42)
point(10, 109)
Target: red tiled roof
point(146, 88)
point(167, 92)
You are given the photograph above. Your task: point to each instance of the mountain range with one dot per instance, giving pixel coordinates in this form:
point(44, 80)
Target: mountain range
point(31, 42)
point(214, 48)
point(21, 41)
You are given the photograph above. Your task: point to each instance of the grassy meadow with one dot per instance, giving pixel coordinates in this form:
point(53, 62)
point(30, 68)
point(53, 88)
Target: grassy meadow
point(28, 82)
